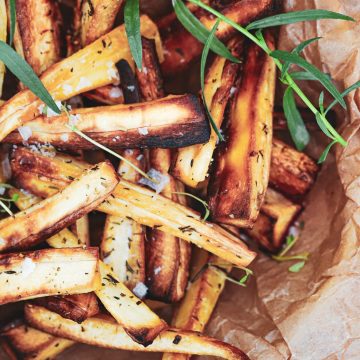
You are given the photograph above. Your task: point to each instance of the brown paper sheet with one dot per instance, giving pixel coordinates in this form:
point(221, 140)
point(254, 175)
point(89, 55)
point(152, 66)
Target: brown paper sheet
point(313, 314)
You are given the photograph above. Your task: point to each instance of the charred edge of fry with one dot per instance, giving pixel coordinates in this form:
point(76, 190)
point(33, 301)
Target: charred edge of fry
point(76, 307)
point(41, 37)
point(192, 164)
point(108, 95)
point(129, 84)
point(149, 78)
point(106, 333)
point(292, 172)
point(21, 341)
point(241, 169)
point(48, 272)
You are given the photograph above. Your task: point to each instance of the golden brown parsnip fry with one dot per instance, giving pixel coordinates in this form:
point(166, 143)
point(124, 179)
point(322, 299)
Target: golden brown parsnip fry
point(192, 163)
point(29, 227)
point(150, 209)
point(292, 172)
point(174, 121)
point(21, 341)
point(139, 322)
point(181, 48)
point(123, 241)
point(106, 333)
point(97, 18)
point(3, 36)
point(75, 74)
point(238, 184)
point(109, 95)
point(48, 272)
point(276, 216)
point(39, 29)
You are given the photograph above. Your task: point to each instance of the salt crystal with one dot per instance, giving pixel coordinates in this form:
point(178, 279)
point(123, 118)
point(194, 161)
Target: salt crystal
point(64, 137)
point(139, 157)
point(140, 290)
point(67, 89)
point(115, 93)
point(25, 132)
point(143, 131)
point(27, 267)
point(157, 270)
point(2, 190)
point(232, 90)
point(161, 180)
point(131, 87)
point(83, 83)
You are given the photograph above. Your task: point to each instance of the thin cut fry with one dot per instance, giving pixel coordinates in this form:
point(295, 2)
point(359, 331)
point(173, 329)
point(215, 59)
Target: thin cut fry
point(3, 36)
point(106, 333)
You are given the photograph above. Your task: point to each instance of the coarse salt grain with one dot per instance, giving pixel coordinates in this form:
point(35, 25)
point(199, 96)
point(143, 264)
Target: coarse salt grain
point(83, 83)
point(140, 290)
point(25, 132)
point(67, 89)
point(232, 90)
point(27, 267)
point(161, 180)
point(139, 157)
point(115, 93)
point(2, 190)
point(64, 137)
point(157, 270)
point(143, 131)
point(131, 87)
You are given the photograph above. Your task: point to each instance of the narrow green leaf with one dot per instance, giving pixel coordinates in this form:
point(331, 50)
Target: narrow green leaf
point(132, 27)
point(201, 201)
point(297, 50)
point(298, 60)
point(12, 5)
point(343, 94)
point(325, 153)
point(198, 30)
point(322, 126)
point(295, 123)
point(321, 102)
point(297, 266)
point(23, 71)
point(204, 56)
point(296, 16)
point(302, 75)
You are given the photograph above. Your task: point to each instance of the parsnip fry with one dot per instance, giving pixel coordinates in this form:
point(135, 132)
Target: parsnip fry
point(147, 208)
point(29, 227)
point(48, 272)
point(3, 36)
point(139, 322)
point(89, 68)
point(109, 95)
point(97, 18)
point(192, 163)
point(106, 333)
point(39, 29)
point(21, 341)
point(238, 184)
point(292, 172)
point(174, 121)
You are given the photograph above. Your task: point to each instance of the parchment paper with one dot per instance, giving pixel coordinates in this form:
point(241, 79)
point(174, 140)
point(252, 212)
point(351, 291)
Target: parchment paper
point(313, 314)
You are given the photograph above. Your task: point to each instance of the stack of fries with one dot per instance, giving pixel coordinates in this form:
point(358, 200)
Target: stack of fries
point(104, 295)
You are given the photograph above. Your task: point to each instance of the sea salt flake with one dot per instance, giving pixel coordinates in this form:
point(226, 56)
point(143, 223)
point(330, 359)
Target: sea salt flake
point(25, 132)
point(143, 131)
point(67, 89)
point(115, 93)
point(2, 190)
point(64, 137)
point(157, 270)
point(159, 183)
point(27, 267)
point(140, 290)
point(83, 83)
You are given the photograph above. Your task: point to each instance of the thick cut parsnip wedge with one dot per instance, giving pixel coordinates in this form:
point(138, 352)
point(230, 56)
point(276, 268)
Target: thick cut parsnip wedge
point(145, 207)
point(194, 311)
point(123, 241)
point(21, 341)
point(39, 29)
point(174, 121)
point(276, 216)
point(181, 48)
point(3, 36)
point(106, 333)
point(87, 69)
point(29, 227)
point(139, 322)
point(239, 181)
point(97, 18)
point(108, 95)
point(292, 172)
point(48, 272)
point(192, 163)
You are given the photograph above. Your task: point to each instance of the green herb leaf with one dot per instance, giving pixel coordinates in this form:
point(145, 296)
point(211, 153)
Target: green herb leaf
point(297, 50)
point(204, 56)
point(199, 31)
point(201, 201)
point(2, 204)
point(297, 128)
point(322, 126)
point(132, 28)
point(343, 94)
point(302, 75)
point(325, 153)
point(297, 266)
point(23, 71)
point(321, 102)
point(298, 60)
point(296, 16)
point(12, 5)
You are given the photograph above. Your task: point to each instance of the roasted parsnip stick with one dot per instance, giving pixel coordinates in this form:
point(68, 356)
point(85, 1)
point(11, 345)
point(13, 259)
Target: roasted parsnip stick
point(74, 75)
point(292, 172)
point(238, 184)
point(29, 227)
point(39, 32)
point(192, 163)
point(109, 95)
point(97, 18)
point(106, 333)
point(48, 272)
point(174, 121)
point(147, 208)
point(21, 341)
point(3, 36)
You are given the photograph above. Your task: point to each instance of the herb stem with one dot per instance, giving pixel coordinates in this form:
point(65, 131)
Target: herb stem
point(287, 78)
point(2, 204)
